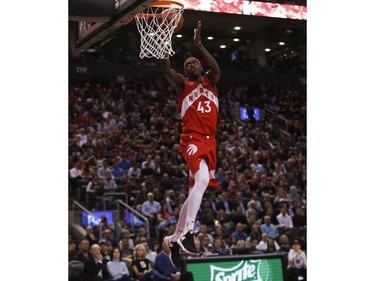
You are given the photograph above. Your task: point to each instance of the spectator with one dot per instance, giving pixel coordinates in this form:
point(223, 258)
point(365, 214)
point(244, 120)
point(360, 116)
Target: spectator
point(142, 267)
point(126, 252)
point(271, 246)
point(238, 216)
point(239, 233)
point(206, 246)
point(164, 265)
point(75, 176)
point(240, 202)
point(127, 235)
point(103, 170)
point(93, 266)
point(204, 230)
point(296, 262)
point(293, 195)
point(91, 189)
point(134, 172)
point(150, 162)
point(110, 184)
point(90, 236)
point(105, 251)
point(285, 246)
point(118, 173)
point(108, 237)
point(285, 221)
point(117, 269)
point(269, 228)
point(225, 204)
point(166, 183)
point(84, 249)
point(105, 224)
point(150, 255)
point(263, 244)
point(208, 220)
point(219, 247)
point(150, 209)
point(299, 219)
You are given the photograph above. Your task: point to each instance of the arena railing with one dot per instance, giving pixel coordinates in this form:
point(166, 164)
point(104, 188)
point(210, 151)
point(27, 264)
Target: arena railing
point(134, 211)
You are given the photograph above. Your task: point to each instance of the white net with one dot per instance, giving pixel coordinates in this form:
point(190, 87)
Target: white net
point(156, 25)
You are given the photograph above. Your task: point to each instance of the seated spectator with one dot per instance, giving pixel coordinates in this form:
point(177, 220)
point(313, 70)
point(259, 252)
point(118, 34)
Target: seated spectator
point(150, 255)
point(269, 228)
point(164, 265)
point(271, 246)
point(117, 269)
point(108, 237)
point(121, 226)
point(142, 237)
point(126, 252)
point(252, 244)
point(223, 219)
point(238, 216)
point(284, 219)
point(84, 249)
point(103, 170)
point(90, 236)
point(142, 267)
point(224, 203)
point(105, 251)
point(127, 235)
point(118, 172)
point(110, 184)
point(296, 262)
point(101, 199)
point(239, 232)
point(263, 244)
point(285, 246)
point(219, 247)
point(75, 175)
point(206, 246)
point(294, 195)
point(204, 230)
point(93, 267)
point(91, 189)
point(208, 219)
point(299, 219)
point(232, 242)
point(150, 209)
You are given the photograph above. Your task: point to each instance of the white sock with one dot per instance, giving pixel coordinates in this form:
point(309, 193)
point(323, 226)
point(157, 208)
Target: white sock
point(195, 196)
point(180, 227)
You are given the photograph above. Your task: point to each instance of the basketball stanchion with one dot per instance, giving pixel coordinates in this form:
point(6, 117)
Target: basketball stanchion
point(156, 25)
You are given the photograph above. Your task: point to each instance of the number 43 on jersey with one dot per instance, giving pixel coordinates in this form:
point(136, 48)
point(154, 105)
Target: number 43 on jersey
point(205, 108)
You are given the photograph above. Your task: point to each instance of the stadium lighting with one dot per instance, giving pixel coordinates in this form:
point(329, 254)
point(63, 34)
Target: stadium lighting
point(281, 43)
point(237, 28)
point(223, 46)
point(236, 39)
point(210, 38)
point(179, 35)
point(267, 50)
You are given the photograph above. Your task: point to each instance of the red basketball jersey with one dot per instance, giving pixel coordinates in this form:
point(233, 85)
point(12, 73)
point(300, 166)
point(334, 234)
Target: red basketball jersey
point(199, 108)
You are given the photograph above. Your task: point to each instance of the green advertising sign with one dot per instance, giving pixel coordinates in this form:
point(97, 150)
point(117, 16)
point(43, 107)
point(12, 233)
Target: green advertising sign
point(260, 269)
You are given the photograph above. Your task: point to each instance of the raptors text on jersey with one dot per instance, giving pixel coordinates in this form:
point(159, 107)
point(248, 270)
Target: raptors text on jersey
point(199, 108)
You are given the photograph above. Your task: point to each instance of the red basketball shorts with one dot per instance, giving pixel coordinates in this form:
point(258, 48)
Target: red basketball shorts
point(195, 147)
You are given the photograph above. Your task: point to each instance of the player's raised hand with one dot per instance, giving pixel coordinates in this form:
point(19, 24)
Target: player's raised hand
point(197, 33)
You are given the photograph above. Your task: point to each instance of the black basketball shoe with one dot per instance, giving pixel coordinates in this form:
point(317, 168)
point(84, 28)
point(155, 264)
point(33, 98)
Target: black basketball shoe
point(186, 242)
point(174, 256)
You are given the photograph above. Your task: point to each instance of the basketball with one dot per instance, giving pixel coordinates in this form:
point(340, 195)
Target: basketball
point(179, 25)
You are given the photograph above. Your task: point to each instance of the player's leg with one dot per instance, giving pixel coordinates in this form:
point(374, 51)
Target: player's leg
point(171, 241)
point(201, 177)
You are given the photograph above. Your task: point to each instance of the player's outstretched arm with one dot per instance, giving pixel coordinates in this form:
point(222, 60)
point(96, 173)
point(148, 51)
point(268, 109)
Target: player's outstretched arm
point(177, 80)
point(214, 70)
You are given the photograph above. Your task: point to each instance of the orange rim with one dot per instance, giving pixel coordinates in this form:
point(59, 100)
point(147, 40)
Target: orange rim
point(160, 4)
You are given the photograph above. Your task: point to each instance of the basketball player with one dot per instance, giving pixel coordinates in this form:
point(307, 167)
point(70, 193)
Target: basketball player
point(198, 100)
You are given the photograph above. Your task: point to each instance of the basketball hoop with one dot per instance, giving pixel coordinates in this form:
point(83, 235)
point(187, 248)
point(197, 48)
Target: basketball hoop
point(156, 25)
